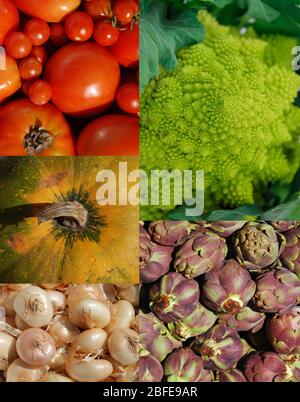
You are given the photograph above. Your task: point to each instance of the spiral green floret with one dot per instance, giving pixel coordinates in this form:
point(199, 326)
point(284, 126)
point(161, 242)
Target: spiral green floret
point(226, 109)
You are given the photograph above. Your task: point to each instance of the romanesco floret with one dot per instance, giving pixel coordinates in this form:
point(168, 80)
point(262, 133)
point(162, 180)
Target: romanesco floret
point(226, 109)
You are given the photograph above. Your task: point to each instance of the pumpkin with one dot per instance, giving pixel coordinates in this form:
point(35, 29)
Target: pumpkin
point(52, 229)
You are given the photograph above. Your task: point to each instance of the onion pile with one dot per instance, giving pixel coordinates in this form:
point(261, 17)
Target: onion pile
point(68, 333)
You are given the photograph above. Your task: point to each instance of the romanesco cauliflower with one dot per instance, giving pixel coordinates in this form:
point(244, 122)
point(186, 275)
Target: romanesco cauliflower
point(226, 109)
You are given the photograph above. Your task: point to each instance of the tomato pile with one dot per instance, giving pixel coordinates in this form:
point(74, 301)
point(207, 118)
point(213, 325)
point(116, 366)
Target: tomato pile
point(70, 83)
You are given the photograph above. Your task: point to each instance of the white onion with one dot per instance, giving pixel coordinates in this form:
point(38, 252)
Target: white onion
point(122, 314)
point(35, 347)
point(7, 350)
point(33, 306)
point(89, 313)
point(123, 345)
point(19, 371)
point(88, 371)
point(129, 293)
point(20, 324)
point(77, 293)
point(106, 293)
point(57, 363)
point(57, 299)
point(62, 330)
point(55, 377)
point(90, 341)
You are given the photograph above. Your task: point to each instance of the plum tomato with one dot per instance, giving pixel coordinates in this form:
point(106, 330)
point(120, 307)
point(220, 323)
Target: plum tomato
point(99, 10)
point(105, 34)
point(9, 17)
point(37, 30)
point(124, 10)
point(40, 92)
point(126, 49)
point(47, 10)
point(79, 26)
point(110, 135)
point(27, 129)
point(84, 78)
point(9, 78)
point(30, 68)
point(18, 45)
point(128, 98)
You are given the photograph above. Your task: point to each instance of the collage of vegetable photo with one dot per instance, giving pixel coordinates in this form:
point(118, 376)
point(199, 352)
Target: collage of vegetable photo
point(150, 192)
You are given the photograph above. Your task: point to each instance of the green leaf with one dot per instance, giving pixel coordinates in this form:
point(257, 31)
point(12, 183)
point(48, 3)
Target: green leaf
point(247, 212)
point(179, 214)
point(287, 211)
point(161, 37)
point(260, 10)
point(222, 3)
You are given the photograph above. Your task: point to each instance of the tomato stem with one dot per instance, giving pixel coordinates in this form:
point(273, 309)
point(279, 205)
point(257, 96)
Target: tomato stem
point(37, 139)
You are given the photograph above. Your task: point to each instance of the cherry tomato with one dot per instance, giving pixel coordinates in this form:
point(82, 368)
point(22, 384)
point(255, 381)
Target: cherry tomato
point(30, 68)
point(17, 45)
point(47, 10)
point(128, 98)
point(40, 92)
point(9, 17)
point(105, 34)
point(124, 10)
point(79, 26)
point(57, 34)
point(35, 130)
point(9, 78)
point(37, 30)
point(40, 53)
point(84, 78)
point(110, 135)
point(126, 49)
point(99, 9)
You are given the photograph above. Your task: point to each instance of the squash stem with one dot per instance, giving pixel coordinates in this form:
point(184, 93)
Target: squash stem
point(70, 214)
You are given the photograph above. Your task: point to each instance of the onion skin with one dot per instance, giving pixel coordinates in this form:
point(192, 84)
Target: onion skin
point(19, 371)
point(89, 371)
point(62, 330)
point(90, 341)
point(89, 314)
point(122, 316)
point(123, 345)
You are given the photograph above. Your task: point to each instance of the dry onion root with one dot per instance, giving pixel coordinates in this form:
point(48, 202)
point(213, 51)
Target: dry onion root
point(60, 333)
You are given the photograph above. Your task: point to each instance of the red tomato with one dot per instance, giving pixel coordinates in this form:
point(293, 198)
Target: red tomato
point(105, 34)
point(124, 10)
point(126, 49)
point(30, 68)
point(57, 34)
point(40, 92)
point(84, 78)
point(128, 98)
point(9, 78)
point(99, 9)
point(110, 135)
point(17, 45)
point(79, 26)
point(47, 10)
point(37, 30)
point(40, 53)
point(27, 129)
point(9, 17)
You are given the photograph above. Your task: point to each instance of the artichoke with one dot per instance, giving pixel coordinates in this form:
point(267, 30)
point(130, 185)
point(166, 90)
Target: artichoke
point(266, 367)
point(233, 375)
point(200, 253)
point(244, 320)
point(220, 348)
point(225, 228)
point(206, 376)
point(195, 324)
point(290, 257)
point(170, 233)
point(277, 291)
point(284, 332)
point(174, 297)
point(283, 226)
point(145, 247)
point(158, 264)
point(183, 365)
point(150, 369)
point(228, 289)
point(154, 336)
point(257, 246)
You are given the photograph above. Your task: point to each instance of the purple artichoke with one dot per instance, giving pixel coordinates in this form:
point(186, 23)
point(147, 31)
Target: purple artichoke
point(155, 337)
point(220, 348)
point(244, 320)
point(158, 264)
point(266, 367)
point(277, 291)
point(228, 289)
point(150, 369)
point(284, 332)
point(174, 297)
point(195, 324)
point(200, 253)
point(225, 228)
point(283, 226)
point(206, 376)
point(233, 375)
point(290, 257)
point(183, 365)
point(145, 247)
point(170, 233)
point(257, 246)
